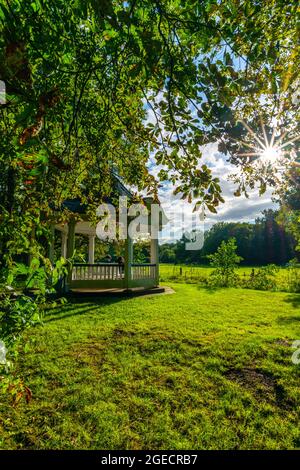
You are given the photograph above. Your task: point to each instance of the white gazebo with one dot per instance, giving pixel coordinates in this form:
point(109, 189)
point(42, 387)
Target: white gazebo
point(101, 276)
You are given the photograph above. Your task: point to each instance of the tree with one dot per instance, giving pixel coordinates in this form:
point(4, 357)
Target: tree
point(79, 76)
point(289, 199)
point(272, 243)
point(141, 251)
point(93, 87)
point(264, 242)
point(225, 260)
point(167, 253)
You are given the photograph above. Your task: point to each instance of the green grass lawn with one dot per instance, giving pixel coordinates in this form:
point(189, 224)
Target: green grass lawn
point(194, 274)
point(197, 369)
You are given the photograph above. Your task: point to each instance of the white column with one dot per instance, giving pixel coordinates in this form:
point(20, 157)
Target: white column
point(64, 239)
point(91, 249)
point(128, 261)
point(154, 257)
point(70, 250)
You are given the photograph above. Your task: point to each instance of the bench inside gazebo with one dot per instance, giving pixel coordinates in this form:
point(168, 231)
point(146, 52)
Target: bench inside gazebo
point(100, 276)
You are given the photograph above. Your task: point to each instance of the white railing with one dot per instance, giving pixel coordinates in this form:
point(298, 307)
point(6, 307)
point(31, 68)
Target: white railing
point(143, 271)
point(97, 272)
point(111, 271)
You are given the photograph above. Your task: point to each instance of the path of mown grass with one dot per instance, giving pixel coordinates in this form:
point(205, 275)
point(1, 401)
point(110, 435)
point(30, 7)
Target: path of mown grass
point(196, 370)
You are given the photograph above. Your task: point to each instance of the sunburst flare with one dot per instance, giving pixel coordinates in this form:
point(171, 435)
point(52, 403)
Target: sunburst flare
point(272, 149)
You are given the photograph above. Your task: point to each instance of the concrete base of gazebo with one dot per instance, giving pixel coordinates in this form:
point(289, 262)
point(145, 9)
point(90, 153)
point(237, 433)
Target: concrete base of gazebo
point(135, 291)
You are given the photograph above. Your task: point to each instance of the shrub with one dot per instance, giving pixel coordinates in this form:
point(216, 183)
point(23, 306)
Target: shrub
point(23, 296)
point(225, 260)
point(263, 278)
point(294, 276)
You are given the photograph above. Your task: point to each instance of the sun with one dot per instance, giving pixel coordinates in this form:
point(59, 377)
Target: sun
point(271, 154)
point(270, 149)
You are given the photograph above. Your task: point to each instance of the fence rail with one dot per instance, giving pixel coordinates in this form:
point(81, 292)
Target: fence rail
point(111, 271)
point(143, 271)
point(97, 272)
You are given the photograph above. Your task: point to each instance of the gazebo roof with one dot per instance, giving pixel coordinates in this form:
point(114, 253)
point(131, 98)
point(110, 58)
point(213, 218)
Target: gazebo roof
point(76, 206)
point(119, 189)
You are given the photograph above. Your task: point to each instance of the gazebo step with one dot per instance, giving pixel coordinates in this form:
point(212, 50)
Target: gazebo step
point(134, 291)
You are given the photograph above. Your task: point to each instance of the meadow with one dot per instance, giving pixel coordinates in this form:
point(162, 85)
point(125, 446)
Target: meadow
point(200, 274)
point(196, 369)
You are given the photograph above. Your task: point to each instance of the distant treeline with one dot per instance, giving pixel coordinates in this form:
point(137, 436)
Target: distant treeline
point(260, 243)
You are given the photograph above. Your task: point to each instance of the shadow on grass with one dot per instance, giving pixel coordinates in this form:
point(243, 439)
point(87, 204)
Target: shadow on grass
point(294, 300)
point(209, 289)
point(80, 306)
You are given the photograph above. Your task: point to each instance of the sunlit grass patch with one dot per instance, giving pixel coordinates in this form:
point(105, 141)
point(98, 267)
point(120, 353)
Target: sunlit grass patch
point(198, 369)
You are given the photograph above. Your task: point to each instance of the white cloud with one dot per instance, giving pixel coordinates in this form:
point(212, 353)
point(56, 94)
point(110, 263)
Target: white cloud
point(235, 209)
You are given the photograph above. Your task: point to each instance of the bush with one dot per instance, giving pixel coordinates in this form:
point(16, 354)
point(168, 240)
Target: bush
point(225, 260)
point(294, 276)
point(263, 278)
point(23, 297)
